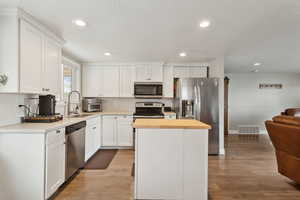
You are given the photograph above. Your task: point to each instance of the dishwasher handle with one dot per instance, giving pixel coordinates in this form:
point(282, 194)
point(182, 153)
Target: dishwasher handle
point(75, 127)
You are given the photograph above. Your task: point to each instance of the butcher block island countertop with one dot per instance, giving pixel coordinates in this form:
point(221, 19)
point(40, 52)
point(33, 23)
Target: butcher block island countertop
point(170, 124)
point(171, 159)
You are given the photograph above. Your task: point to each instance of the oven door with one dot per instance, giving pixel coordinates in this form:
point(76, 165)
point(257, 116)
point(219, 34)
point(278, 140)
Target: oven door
point(148, 90)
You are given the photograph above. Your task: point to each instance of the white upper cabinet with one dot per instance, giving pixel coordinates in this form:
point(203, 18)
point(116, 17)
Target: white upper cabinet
point(127, 78)
point(92, 82)
point(190, 72)
point(198, 72)
point(99, 81)
point(168, 84)
point(110, 81)
point(149, 73)
point(31, 58)
point(52, 69)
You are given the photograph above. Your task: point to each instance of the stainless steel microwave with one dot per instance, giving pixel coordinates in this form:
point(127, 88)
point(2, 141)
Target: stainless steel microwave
point(149, 90)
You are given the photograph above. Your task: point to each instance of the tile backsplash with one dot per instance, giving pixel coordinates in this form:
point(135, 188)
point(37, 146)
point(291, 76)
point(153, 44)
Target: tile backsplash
point(10, 113)
point(128, 104)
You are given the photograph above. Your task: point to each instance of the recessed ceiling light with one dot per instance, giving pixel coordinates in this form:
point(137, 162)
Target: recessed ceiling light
point(107, 54)
point(255, 71)
point(204, 24)
point(257, 64)
point(182, 54)
point(79, 22)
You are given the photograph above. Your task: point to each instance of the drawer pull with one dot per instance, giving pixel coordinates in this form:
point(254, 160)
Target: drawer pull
point(58, 131)
point(94, 128)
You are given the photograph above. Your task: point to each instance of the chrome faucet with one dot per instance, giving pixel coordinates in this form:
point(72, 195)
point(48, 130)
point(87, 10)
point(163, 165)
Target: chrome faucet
point(77, 108)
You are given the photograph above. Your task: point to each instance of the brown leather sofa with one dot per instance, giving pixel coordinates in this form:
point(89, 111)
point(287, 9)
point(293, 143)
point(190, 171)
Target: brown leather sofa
point(284, 131)
point(292, 112)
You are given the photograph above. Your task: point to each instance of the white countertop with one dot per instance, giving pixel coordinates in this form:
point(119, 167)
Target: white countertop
point(45, 127)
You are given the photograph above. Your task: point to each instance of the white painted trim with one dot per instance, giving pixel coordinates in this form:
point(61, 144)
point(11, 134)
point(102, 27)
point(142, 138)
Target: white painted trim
point(37, 24)
point(222, 151)
point(235, 132)
point(68, 61)
point(9, 11)
point(120, 63)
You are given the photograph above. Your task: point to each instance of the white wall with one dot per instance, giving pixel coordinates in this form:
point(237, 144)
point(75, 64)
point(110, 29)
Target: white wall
point(9, 111)
point(249, 105)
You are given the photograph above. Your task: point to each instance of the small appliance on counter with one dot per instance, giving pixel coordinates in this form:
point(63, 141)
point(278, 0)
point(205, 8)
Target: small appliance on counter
point(46, 114)
point(91, 104)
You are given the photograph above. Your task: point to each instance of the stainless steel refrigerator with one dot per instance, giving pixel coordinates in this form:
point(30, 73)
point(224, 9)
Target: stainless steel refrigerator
point(198, 98)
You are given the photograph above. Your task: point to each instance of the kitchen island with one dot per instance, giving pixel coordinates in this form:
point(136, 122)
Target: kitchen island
point(171, 159)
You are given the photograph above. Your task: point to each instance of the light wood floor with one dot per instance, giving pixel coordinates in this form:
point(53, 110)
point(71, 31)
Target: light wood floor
point(247, 172)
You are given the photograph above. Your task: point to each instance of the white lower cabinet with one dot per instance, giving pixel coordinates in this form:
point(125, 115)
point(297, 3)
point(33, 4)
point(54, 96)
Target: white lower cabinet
point(125, 131)
point(117, 131)
point(55, 161)
point(92, 137)
point(109, 129)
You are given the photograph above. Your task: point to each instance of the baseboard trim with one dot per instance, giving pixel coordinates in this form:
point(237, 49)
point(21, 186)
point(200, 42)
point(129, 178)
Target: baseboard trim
point(222, 151)
point(235, 132)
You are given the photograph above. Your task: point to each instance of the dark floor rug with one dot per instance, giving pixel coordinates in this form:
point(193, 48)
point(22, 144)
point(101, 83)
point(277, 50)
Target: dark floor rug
point(101, 159)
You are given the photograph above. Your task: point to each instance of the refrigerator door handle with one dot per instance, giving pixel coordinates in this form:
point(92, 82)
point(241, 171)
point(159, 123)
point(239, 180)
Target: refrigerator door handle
point(195, 103)
point(199, 100)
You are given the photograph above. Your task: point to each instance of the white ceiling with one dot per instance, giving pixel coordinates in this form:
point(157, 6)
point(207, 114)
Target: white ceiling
point(245, 31)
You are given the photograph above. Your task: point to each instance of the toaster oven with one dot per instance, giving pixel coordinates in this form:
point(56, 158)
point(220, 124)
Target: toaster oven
point(91, 104)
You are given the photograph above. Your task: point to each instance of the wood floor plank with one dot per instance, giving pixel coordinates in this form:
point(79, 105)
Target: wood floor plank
point(248, 171)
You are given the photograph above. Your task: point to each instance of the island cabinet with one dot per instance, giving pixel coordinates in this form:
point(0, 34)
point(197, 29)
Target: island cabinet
point(171, 161)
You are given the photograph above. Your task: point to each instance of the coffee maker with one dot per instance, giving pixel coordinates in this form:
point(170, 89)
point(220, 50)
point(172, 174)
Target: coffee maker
point(47, 105)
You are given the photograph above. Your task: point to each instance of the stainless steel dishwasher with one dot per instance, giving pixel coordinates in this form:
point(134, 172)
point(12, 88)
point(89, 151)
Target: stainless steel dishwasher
point(75, 148)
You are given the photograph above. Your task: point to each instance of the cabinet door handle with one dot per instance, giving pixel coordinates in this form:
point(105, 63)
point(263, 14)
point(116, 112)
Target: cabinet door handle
point(94, 128)
point(58, 131)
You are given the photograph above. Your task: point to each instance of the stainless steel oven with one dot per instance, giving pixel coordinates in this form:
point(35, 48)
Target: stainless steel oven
point(148, 90)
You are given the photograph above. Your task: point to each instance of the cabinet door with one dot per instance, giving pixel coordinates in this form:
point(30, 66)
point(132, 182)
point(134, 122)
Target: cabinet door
point(55, 165)
point(97, 134)
point(168, 87)
point(52, 69)
point(198, 72)
point(127, 78)
point(125, 130)
point(92, 82)
point(181, 72)
point(31, 58)
point(143, 74)
point(156, 73)
point(110, 81)
point(109, 127)
point(89, 142)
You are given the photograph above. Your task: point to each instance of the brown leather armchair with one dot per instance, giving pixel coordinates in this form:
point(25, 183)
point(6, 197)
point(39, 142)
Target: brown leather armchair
point(284, 132)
